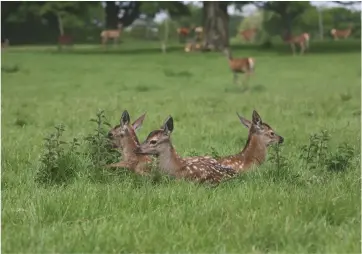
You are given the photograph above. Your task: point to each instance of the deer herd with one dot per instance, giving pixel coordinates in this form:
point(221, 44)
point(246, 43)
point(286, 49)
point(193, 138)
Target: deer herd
point(157, 147)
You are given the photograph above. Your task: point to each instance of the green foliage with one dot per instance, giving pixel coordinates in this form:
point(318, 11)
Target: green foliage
point(99, 147)
point(295, 210)
point(58, 164)
point(315, 153)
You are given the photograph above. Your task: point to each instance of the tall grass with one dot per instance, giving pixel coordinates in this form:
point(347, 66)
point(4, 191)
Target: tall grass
point(305, 198)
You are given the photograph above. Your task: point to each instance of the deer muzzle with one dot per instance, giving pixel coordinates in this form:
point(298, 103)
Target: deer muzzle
point(281, 140)
point(141, 150)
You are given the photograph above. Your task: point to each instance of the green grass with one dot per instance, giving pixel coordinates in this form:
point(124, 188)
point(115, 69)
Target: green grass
point(293, 210)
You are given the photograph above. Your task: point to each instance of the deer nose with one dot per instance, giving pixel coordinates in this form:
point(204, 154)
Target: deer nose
point(281, 139)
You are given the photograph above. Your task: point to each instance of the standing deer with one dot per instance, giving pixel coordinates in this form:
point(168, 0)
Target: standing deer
point(341, 33)
point(248, 34)
point(261, 135)
point(244, 65)
point(111, 34)
point(123, 136)
point(301, 40)
point(200, 168)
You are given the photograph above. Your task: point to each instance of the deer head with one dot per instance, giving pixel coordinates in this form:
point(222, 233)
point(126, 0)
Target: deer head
point(124, 134)
point(157, 141)
point(227, 53)
point(261, 130)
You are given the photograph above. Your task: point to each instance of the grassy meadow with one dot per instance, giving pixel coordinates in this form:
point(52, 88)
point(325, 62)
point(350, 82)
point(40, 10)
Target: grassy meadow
point(298, 205)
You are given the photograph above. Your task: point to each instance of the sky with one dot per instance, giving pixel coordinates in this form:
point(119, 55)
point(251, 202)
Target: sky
point(250, 8)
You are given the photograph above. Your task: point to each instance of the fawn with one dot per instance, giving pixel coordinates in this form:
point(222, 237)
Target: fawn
point(301, 40)
point(341, 33)
point(200, 169)
point(123, 136)
point(240, 65)
point(261, 135)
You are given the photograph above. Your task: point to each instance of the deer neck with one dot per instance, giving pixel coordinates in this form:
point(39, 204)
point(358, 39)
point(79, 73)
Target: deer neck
point(169, 161)
point(128, 150)
point(254, 151)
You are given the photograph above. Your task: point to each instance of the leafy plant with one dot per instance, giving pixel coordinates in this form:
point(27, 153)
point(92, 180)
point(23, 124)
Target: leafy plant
point(341, 159)
point(99, 146)
point(58, 164)
point(277, 159)
point(315, 153)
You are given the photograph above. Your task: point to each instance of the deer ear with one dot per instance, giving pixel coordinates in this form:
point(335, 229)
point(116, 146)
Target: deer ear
point(168, 125)
point(138, 123)
point(125, 119)
point(256, 118)
point(244, 121)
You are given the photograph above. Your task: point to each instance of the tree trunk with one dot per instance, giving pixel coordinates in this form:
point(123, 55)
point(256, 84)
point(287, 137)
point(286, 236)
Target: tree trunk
point(216, 25)
point(60, 24)
point(111, 15)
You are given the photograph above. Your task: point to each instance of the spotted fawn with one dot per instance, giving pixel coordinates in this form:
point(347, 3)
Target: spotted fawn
point(123, 137)
point(200, 169)
point(261, 135)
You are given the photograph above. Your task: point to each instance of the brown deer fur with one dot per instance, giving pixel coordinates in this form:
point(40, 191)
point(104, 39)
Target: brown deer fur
point(301, 40)
point(111, 34)
point(123, 136)
point(200, 169)
point(261, 135)
point(248, 34)
point(341, 33)
point(244, 65)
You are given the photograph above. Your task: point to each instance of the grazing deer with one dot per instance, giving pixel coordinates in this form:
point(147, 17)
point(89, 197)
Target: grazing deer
point(123, 136)
point(111, 34)
point(248, 34)
point(200, 169)
point(261, 135)
point(341, 33)
point(240, 65)
point(301, 40)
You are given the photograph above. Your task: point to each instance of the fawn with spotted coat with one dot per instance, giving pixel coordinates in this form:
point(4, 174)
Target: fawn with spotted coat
point(123, 137)
point(200, 169)
point(261, 135)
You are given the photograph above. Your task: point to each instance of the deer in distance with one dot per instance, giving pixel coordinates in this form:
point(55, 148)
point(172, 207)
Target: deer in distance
point(341, 33)
point(111, 34)
point(245, 65)
point(248, 34)
point(123, 137)
point(200, 169)
point(301, 40)
point(260, 136)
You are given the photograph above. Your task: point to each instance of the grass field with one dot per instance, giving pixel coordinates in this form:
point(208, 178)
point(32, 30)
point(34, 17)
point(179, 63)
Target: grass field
point(291, 208)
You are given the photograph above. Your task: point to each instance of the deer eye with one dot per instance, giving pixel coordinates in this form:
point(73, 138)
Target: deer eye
point(153, 142)
point(272, 134)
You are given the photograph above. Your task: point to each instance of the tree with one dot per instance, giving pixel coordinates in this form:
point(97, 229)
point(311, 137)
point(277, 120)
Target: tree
point(287, 11)
point(59, 10)
point(215, 23)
